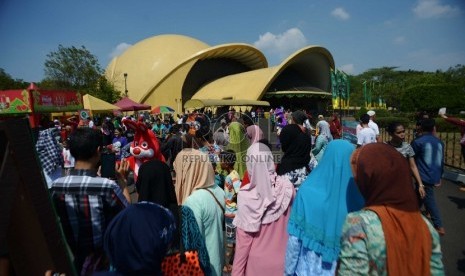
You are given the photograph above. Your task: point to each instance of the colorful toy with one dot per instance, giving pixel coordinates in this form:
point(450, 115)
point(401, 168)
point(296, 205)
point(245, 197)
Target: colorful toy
point(279, 113)
point(145, 146)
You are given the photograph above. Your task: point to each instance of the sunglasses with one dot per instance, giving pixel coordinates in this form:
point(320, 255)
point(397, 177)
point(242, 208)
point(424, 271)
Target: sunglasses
point(400, 132)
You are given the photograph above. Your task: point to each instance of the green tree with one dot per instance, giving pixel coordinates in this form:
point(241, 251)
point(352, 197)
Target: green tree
point(78, 69)
point(7, 82)
point(431, 97)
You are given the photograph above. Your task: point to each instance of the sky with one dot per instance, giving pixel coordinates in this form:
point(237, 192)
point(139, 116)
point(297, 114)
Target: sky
point(423, 35)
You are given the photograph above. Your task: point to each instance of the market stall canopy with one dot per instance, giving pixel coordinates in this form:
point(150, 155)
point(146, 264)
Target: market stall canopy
point(95, 104)
point(201, 103)
point(126, 104)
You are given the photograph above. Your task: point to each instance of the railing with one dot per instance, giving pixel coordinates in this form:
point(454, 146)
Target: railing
point(453, 154)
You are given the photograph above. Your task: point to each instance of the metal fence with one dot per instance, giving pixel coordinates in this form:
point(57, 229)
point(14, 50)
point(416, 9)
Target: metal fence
point(453, 154)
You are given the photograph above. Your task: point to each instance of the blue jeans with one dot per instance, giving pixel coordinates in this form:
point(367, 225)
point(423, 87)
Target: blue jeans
point(431, 207)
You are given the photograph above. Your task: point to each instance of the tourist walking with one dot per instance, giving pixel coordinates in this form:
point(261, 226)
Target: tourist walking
point(373, 125)
point(365, 135)
point(296, 146)
point(397, 132)
point(86, 203)
point(138, 238)
point(335, 126)
point(429, 157)
point(389, 236)
point(154, 184)
point(319, 210)
point(239, 143)
point(196, 189)
point(262, 215)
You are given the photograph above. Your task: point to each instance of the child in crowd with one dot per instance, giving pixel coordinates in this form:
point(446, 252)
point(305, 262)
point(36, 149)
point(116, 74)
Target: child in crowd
point(68, 159)
point(232, 183)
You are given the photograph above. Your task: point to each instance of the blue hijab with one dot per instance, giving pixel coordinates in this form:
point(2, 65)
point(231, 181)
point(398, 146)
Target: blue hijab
point(323, 201)
point(137, 239)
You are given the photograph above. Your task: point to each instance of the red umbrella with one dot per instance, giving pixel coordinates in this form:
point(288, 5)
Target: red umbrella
point(127, 104)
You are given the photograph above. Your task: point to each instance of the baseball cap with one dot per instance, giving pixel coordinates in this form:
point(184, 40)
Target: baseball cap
point(371, 113)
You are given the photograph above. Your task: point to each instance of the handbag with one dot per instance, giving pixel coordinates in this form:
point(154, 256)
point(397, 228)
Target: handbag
point(182, 262)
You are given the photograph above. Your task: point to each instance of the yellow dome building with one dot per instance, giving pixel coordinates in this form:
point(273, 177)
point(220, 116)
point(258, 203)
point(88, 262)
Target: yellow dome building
point(172, 69)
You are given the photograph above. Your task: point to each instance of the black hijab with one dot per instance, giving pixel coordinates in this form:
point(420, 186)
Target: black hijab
point(155, 184)
point(296, 146)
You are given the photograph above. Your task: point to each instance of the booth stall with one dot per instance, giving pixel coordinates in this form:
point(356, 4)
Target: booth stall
point(35, 102)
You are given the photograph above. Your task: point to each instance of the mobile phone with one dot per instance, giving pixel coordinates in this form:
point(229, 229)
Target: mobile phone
point(108, 162)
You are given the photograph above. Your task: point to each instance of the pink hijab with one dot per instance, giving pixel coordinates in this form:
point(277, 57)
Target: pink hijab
point(254, 133)
point(267, 196)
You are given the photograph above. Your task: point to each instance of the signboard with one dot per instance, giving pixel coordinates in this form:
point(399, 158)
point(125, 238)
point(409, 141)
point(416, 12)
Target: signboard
point(56, 101)
point(14, 102)
point(84, 114)
point(349, 131)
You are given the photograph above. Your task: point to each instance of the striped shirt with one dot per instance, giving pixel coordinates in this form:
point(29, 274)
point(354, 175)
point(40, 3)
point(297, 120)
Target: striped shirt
point(86, 204)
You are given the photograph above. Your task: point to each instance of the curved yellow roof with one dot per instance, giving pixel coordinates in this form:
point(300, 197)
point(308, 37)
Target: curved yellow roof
point(171, 69)
point(154, 60)
point(245, 54)
point(313, 63)
point(149, 61)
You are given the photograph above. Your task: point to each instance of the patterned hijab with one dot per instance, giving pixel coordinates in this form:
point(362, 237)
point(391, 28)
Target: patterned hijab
point(267, 196)
point(323, 201)
point(137, 239)
point(239, 143)
point(193, 171)
point(384, 179)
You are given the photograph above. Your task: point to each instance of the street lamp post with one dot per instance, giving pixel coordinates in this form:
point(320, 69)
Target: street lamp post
point(125, 84)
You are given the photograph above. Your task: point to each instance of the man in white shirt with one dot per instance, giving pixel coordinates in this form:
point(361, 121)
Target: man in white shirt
point(366, 135)
point(374, 125)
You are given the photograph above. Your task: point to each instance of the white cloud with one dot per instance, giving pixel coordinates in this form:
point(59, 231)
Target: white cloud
point(348, 68)
point(399, 40)
point(340, 13)
point(119, 49)
point(434, 9)
point(281, 45)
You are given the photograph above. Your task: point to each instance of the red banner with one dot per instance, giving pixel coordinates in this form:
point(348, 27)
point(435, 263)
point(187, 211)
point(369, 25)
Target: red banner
point(56, 101)
point(14, 102)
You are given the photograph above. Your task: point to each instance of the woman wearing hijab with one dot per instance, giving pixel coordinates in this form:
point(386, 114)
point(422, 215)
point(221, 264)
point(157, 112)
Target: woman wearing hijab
point(318, 212)
point(239, 144)
point(254, 133)
point(137, 239)
point(322, 128)
point(389, 236)
point(296, 146)
point(262, 214)
point(155, 184)
point(195, 188)
point(318, 150)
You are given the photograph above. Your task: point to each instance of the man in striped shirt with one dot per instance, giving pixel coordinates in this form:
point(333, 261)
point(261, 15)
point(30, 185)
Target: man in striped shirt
point(85, 202)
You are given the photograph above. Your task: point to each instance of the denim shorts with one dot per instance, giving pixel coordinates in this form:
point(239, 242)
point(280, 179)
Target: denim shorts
point(230, 230)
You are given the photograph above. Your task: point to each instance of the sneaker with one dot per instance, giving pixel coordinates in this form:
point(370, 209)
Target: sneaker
point(441, 231)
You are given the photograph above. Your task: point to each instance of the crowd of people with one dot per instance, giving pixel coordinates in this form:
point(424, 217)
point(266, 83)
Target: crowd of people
point(309, 204)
